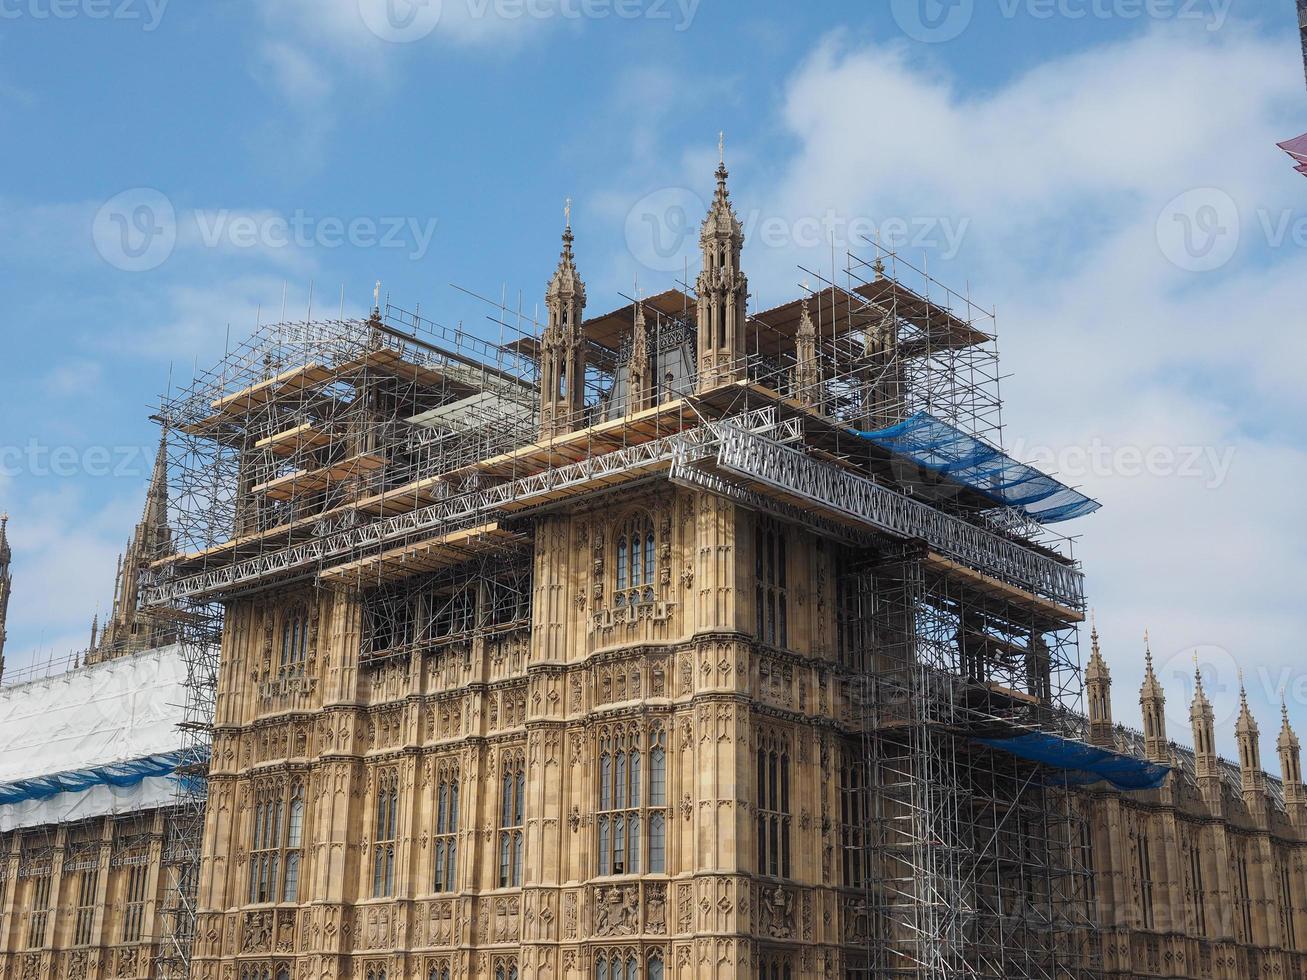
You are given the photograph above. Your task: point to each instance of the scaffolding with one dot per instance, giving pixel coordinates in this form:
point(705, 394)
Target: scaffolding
point(402, 458)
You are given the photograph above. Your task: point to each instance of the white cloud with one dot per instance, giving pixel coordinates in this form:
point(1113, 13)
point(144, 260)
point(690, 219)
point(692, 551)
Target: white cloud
point(1062, 174)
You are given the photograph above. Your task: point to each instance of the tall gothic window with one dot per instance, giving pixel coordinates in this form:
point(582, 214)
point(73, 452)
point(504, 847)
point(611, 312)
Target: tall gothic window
point(775, 969)
point(446, 843)
point(770, 586)
point(134, 917)
point(1243, 898)
point(1286, 904)
point(637, 562)
point(854, 609)
point(294, 642)
point(624, 964)
point(1145, 882)
point(278, 843)
point(855, 817)
point(632, 817)
point(87, 888)
point(438, 973)
point(506, 971)
point(511, 820)
point(40, 912)
point(773, 808)
point(385, 832)
point(1200, 891)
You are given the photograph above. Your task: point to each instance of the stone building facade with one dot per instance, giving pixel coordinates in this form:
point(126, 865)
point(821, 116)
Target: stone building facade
point(624, 744)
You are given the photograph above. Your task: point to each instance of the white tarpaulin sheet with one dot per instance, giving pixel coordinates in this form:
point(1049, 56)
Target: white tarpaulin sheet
point(100, 734)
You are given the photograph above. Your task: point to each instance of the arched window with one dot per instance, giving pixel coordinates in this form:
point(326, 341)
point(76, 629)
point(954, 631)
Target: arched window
point(511, 820)
point(770, 583)
point(438, 973)
point(654, 970)
point(385, 832)
point(294, 642)
point(632, 819)
point(637, 563)
point(773, 794)
point(446, 842)
point(283, 973)
point(294, 845)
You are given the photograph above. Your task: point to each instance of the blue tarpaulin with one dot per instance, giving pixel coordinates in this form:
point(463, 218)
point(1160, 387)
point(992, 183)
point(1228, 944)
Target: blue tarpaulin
point(941, 448)
point(1081, 764)
point(120, 774)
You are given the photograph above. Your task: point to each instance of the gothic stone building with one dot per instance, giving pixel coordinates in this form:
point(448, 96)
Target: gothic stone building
point(633, 696)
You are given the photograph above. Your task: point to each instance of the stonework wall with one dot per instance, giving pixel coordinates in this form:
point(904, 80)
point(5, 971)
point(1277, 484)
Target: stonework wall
point(83, 901)
point(673, 669)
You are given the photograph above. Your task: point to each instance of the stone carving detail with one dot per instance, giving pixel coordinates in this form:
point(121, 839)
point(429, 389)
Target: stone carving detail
point(257, 932)
point(655, 909)
point(777, 913)
point(685, 908)
point(617, 910)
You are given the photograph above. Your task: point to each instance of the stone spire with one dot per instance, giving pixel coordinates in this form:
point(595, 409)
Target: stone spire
point(6, 584)
point(1247, 734)
point(562, 348)
point(639, 382)
point(128, 628)
point(723, 289)
point(1098, 690)
point(1203, 721)
point(1152, 703)
point(807, 369)
point(1290, 749)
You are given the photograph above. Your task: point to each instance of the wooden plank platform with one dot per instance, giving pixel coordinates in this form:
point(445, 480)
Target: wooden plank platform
point(666, 419)
point(422, 557)
point(293, 381)
point(291, 441)
point(312, 481)
point(393, 363)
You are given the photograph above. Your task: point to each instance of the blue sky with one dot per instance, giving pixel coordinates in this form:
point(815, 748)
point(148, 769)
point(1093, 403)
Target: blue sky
point(1103, 172)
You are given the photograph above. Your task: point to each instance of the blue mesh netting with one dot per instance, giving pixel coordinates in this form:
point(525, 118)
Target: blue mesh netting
point(120, 774)
point(941, 448)
point(1081, 764)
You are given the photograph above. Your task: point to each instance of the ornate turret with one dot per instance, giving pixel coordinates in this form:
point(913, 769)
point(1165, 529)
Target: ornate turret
point(1152, 704)
point(129, 628)
point(723, 290)
point(1098, 690)
point(562, 348)
point(639, 382)
point(1251, 776)
point(1290, 749)
point(807, 369)
point(6, 584)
